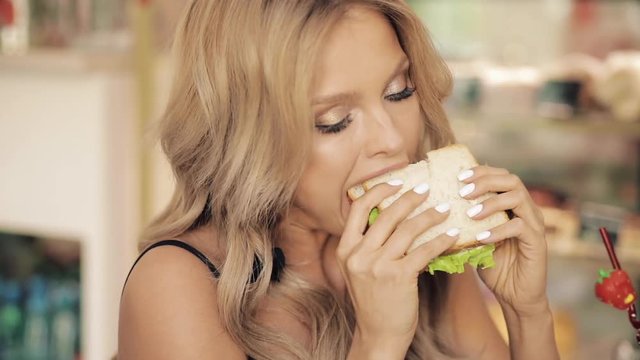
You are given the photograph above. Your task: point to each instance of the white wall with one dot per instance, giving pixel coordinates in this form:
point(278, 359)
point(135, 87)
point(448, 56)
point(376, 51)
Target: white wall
point(68, 167)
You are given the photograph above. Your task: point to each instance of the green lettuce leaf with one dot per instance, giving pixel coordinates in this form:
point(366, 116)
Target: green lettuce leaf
point(373, 215)
point(481, 256)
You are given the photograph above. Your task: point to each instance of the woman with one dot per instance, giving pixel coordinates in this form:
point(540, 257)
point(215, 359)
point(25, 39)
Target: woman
point(278, 107)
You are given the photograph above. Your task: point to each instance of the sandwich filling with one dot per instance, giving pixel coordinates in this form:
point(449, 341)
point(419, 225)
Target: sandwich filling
point(480, 256)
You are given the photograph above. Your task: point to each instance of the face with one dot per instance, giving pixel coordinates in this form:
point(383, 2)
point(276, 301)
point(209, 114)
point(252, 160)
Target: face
point(367, 116)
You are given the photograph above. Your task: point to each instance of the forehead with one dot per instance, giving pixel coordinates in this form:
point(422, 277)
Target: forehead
point(361, 49)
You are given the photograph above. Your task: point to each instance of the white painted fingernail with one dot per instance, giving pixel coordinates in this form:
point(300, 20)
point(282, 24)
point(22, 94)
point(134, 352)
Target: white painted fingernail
point(474, 210)
point(465, 175)
point(443, 208)
point(483, 235)
point(453, 232)
point(421, 189)
point(395, 182)
point(467, 189)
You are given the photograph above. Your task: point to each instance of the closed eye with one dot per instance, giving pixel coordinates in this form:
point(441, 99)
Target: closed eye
point(337, 127)
point(404, 94)
point(346, 121)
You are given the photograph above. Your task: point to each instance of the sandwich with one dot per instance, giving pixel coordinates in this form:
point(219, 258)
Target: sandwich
point(440, 170)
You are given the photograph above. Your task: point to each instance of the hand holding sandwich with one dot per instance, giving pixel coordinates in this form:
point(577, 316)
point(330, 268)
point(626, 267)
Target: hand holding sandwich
point(382, 282)
point(518, 278)
point(480, 198)
point(510, 252)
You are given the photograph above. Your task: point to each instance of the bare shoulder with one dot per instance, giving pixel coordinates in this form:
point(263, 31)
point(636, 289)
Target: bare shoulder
point(468, 321)
point(168, 310)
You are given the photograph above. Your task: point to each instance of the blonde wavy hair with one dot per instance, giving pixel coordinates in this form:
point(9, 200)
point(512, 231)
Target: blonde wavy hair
point(236, 132)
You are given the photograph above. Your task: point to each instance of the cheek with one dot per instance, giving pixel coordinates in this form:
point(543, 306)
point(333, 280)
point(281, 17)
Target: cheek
point(321, 191)
point(410, 124)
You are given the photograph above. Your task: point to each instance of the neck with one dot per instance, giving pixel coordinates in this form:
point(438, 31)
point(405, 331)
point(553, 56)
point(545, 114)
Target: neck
point(310, 252)
point(302, 243)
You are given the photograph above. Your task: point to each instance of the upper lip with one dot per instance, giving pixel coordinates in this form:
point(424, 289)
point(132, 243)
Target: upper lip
point(382, 171)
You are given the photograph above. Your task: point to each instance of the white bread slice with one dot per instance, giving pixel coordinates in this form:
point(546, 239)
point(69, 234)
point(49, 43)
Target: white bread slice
point(440, 170)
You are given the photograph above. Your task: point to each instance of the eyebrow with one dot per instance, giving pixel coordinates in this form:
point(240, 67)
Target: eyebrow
point(347, 97)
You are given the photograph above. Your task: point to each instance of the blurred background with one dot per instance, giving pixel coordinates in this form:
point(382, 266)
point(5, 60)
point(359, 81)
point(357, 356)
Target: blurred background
point(549, 89)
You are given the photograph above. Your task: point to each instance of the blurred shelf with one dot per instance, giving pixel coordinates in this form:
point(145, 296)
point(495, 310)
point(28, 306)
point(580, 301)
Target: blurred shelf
point(590, 125)
point(66, 60)
point(591, 251)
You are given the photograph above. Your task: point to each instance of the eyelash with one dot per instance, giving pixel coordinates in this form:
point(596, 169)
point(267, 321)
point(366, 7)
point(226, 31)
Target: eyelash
point(404, 94)
point(342, 124)
point(337, 127)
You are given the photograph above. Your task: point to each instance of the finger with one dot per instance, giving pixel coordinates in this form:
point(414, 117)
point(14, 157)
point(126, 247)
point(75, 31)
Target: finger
point(469, 175)
point(490, 183)
point(528, 238)
point(386, 224)
point(520, 200)
point(418, 259)
point(396, 246)
point(359, 214)
point(512, 200)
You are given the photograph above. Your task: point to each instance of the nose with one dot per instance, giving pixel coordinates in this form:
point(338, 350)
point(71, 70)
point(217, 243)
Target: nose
point(383, 136)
